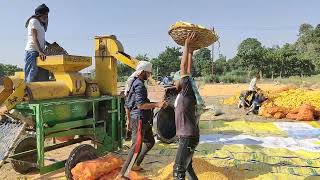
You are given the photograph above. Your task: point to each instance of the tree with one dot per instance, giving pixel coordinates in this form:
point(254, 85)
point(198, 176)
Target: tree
point(308, 44)
point(142, 57)
point(305, 29)
point(221, 65)
point(202, 62)
point(251, 53)
point(168, 61)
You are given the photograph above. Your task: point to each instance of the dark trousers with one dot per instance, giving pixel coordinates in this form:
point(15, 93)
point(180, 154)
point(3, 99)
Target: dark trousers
point(142, 142)
point(183, 162)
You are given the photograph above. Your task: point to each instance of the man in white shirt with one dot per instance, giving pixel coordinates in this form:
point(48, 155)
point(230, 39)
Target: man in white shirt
point(253, 87)
point(37, 26)
point(253, 83)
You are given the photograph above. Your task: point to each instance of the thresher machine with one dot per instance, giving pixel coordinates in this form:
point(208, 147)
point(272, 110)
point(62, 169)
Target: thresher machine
point(70, 105)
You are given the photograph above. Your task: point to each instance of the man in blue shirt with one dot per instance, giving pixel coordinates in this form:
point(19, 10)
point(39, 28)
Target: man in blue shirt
point(140, 108)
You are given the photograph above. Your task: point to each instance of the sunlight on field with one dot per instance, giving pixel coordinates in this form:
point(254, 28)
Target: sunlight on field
point(232, 89)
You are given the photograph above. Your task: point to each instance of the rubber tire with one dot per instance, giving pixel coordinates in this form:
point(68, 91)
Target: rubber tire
point(81, 153)
point(26, 143)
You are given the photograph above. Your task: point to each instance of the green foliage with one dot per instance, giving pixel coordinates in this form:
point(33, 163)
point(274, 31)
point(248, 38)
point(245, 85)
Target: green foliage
point(236, 76)
point(202, 62)
point(211, 79)
point(8, 70)
point(142, 57)
point(308, 44)
point(251, 54)
point(221, 65)
point(123, 78)
point(168, 61)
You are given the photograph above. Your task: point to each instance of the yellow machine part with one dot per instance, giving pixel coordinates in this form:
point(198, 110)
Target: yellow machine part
point(107, 50)
point(65, 63)
point(92, 90)
point(74, 81)
point(47, 90)
point(17, 96)
point(106, 64)
point(9, 84)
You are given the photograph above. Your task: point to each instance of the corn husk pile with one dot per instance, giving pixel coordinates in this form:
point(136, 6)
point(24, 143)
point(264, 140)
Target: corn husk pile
point(104, 168)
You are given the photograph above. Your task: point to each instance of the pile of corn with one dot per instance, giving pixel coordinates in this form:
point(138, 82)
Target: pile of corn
point(287, 102)
point(231, 100)
point(296, 104)
point(203, 169)
point(296, 97)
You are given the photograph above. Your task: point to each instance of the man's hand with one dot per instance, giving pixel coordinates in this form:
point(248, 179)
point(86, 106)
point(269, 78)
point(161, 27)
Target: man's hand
point(191, 38)
point(42, 56)
point(128, 126)
point(162, 104)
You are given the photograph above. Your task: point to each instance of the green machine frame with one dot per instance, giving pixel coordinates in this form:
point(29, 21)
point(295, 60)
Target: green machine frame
point(100, 120)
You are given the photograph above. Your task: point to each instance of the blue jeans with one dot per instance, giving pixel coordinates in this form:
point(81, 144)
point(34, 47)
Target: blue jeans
point(33, 73)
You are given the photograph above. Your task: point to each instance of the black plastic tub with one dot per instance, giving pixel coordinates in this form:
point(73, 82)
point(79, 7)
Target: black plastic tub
point(164, 125)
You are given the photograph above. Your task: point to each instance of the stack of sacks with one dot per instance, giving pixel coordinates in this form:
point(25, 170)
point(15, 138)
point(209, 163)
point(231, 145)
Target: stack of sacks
point(304, 113)
point(270, 110)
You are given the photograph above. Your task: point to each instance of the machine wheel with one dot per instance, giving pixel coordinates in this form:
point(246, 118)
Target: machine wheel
point(26, 143)
point(81, 153)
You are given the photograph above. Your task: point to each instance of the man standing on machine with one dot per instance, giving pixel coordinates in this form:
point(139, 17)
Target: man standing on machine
point(140, 108)
point(36, 25)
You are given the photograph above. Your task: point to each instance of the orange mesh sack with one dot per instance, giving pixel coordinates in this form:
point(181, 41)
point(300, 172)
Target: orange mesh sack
point(307, 106)
point(275, 109)
point(279, 115)
point(305, 114)
point(90, 170)
point(180, 30)
point(294, 111)
point(292, 116)
point(110, 176)
point(135, 176)
point(264, 112)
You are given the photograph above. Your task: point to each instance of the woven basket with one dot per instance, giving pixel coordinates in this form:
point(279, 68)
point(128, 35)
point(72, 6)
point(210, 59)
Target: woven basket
point(205, 37)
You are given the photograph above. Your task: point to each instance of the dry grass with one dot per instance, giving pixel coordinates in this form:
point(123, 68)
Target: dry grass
point(232, 89)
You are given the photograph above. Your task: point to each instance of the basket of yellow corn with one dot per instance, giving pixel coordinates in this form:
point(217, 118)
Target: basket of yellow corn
point(180, 30)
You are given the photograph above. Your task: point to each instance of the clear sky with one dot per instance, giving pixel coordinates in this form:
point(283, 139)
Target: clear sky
point(142, 25)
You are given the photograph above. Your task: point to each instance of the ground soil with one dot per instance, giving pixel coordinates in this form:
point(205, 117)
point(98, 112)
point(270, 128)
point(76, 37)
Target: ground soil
point(213, 94)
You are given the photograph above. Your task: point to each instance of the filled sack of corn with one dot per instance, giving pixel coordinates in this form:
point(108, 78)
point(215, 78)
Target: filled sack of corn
point(292, 116)
point(264, 112)
point(276, 109)
point(204, 37)
point(306, 113)
point(110, 176)
point(279, 115)
point(93, 169)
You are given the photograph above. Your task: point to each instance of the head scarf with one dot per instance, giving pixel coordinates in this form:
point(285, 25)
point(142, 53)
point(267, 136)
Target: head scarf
point(142, 66)
point(39, 11)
